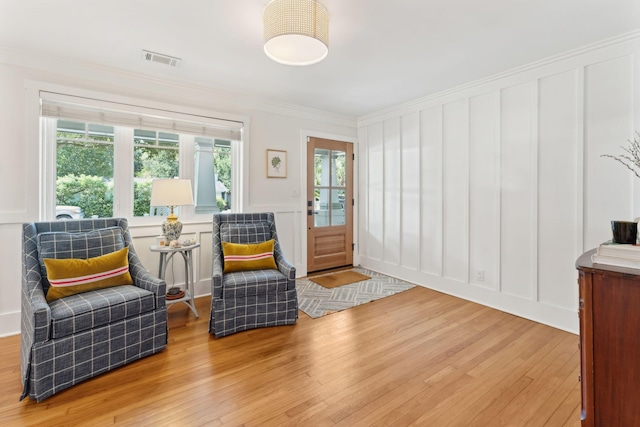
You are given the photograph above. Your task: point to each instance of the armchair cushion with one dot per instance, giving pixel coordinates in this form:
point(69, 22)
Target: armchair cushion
point(72, 276)
point(256, 232)
point(254, 283)
point(83, 245)
point(248, 256)
point(90, 310)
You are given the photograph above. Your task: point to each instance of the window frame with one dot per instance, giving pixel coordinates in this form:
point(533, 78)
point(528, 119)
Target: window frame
point(124, 159)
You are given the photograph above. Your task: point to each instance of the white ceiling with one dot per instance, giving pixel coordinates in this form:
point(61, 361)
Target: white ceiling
point(381, 53)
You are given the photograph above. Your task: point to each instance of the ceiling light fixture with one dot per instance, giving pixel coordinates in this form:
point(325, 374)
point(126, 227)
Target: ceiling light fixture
point(296, 32)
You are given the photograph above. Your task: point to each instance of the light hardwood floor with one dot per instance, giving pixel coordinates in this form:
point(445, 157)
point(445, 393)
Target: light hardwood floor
point(417, 358)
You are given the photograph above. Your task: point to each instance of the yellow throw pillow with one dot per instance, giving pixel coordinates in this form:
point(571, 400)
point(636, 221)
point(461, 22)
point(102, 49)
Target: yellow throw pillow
point(243, 257)
point(72, 276)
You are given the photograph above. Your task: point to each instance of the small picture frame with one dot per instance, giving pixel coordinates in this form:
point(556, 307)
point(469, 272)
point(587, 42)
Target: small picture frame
point(276, 163)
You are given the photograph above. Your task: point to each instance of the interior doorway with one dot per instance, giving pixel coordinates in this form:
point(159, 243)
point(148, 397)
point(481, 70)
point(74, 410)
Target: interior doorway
point(329, 204)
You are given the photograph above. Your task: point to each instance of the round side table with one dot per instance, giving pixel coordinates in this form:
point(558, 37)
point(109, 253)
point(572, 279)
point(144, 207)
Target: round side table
point(166, 254)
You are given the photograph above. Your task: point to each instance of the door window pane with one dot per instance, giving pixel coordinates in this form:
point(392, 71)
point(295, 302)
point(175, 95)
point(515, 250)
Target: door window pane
point(322, 167)
point(339, 170)
point(84, 170)
point(321, 208)
point(337, 207)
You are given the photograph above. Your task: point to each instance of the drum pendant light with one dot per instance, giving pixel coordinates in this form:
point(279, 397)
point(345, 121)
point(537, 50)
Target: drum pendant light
point(296, 32)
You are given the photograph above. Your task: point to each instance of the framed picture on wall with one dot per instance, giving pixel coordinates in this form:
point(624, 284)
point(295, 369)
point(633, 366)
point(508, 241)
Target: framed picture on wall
point(276, 163)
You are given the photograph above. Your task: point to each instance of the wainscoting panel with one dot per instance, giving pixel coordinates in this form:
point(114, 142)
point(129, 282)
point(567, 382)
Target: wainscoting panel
point(608, 89)
point(516, 213)
point(392, 167)
point(456, 190)
point(375, 191)
point(484, 194)
point(410, 197)
point(287, 224)
point(205, 263)
point(431, 182)
point(361, 181)
point(558, 188)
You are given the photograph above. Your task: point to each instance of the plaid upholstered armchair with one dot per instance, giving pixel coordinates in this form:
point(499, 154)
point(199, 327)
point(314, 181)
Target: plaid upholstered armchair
point(259, 295)
point(68, 338)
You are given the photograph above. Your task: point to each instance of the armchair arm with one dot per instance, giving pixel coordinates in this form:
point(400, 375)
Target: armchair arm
point(216, 279)
point(143, 279)
point(286, 268)
point(36, 314)
point(35, 325)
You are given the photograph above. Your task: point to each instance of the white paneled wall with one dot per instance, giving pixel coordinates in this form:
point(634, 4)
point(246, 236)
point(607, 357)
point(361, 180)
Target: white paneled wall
point(492, 191)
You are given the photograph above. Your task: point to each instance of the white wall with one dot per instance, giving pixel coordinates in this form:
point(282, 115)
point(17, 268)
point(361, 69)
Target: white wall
point(504, 179)
point(271, 126)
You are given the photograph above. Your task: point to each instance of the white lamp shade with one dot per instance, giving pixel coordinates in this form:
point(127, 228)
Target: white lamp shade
point(296, 32)
point(171, 192)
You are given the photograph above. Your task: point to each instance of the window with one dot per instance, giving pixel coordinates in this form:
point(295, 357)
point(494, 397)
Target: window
point(84, 170)
point(104, 167)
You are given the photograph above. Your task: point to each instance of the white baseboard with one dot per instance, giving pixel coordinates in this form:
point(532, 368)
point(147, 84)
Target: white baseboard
point(557, 317)
point(9, 324)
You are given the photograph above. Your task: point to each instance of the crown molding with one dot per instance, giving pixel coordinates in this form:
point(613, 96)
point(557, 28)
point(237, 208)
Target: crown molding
point(64, 67)
point(415, 104)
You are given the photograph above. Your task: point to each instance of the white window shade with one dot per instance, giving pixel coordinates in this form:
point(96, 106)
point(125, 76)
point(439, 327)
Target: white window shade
point(101, 112)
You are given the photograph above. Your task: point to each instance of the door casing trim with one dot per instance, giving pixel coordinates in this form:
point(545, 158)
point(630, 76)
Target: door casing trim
point(304, 134)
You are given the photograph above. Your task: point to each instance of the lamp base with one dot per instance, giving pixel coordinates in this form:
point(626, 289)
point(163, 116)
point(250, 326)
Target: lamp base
point(171, 230)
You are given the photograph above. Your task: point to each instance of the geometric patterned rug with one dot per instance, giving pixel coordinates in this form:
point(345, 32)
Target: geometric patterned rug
point(317, 301)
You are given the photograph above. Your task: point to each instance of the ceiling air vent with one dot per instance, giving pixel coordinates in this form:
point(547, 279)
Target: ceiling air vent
point(160, 58)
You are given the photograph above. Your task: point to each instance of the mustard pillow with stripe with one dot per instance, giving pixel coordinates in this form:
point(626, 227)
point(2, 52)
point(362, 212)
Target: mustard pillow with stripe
point(72, 275)
point(247, 256)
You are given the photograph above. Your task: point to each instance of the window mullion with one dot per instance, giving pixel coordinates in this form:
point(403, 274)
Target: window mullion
point(187, 170)
point(236, 177)
point(123, 172)
point(49, 130)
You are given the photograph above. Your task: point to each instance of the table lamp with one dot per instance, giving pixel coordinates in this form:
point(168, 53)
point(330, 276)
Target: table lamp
point(171, 193)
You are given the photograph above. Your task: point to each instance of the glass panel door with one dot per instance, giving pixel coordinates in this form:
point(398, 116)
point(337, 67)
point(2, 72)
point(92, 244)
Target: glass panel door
point(329, 204)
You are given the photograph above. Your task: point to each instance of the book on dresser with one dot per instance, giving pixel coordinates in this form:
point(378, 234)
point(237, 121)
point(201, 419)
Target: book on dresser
point(621, 255)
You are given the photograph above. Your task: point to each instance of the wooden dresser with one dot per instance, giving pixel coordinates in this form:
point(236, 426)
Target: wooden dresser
point(609, 312)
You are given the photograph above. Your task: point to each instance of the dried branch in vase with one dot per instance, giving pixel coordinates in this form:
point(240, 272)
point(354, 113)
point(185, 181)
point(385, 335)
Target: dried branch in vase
point(631, 160)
